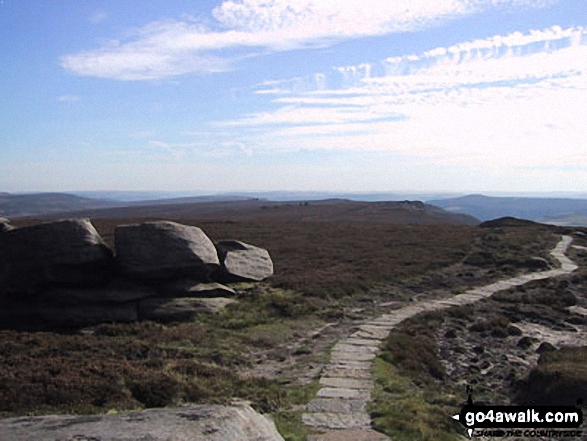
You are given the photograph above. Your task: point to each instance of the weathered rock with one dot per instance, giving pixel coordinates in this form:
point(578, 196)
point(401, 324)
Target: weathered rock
point(192, 288)
point(243, 262)
point(62, 253)
point(180, 309)
point(545, 347)
point(195, 423)
point(165, 250)
point(5, 225)
point(33, 316)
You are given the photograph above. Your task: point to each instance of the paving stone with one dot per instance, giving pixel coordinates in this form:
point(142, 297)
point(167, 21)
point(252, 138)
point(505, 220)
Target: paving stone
point(341, 347)
point(364, 335)
point(335, 405)
point(346, 372)
point(365, 365)
point(346, 383)
point(345, 394)
point(375, 332)
point(361, 342)
point(350, 356)
point(337, 420)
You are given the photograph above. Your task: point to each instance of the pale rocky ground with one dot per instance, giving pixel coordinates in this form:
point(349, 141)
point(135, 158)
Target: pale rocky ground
point(194, 423)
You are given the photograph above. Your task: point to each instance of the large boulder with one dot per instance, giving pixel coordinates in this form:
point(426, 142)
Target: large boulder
point(191, 288)
point(62, 253)
point(164, 250)
point(194, 423)
point(180, 309)
point(243, 262)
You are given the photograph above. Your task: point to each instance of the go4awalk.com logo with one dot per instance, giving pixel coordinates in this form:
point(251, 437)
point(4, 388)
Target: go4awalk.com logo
point(520, 421)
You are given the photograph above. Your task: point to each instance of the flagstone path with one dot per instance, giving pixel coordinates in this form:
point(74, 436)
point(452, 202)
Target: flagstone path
point(341, 404)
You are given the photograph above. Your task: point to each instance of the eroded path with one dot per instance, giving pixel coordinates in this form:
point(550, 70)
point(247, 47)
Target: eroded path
point(341, 403)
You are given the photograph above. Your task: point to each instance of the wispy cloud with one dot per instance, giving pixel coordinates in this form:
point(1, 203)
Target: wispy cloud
point(69, 98)
point(168, 48)
point(503, 102)
point(99, 16)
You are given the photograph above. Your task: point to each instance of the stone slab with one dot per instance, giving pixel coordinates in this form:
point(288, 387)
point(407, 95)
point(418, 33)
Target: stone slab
point(345, 394)
point(346, 383)
point(341, 347)
point(335, 372)
point(335, 405)
point(365, 365)
point(336, 420)
point(361, 342)
point(374, 332)
point(351, 356)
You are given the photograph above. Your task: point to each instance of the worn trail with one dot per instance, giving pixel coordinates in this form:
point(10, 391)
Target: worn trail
point(341, 403)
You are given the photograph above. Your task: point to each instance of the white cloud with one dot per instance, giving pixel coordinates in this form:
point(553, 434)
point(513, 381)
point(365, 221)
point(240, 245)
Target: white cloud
point(502, 103)
point(69, 98)
point(168, 48)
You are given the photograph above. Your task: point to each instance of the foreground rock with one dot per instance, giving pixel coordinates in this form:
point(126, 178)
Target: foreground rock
point(191, 288)
point(63, 253)
point(181, 309)
point(243, 262)
point(165, 250)
point(195, 423)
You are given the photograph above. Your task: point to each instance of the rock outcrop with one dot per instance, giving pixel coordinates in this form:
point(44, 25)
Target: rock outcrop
point(193, 288)
point(194, 423)
point(64, 253)
point(181, 309)
point(164, 250)
point(243, 262)
point(61, 274)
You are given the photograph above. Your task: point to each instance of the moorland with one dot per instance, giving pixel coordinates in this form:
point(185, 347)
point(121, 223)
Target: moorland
point(335, 263)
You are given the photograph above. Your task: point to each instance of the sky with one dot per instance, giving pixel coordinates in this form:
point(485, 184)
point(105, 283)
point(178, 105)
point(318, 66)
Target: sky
point(306, 95)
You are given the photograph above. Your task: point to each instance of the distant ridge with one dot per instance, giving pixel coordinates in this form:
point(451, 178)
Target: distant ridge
point(254, 210)
point(19, 205)
point(42, 204)
point(535, 209)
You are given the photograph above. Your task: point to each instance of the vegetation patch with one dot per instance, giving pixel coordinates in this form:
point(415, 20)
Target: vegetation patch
point(405, 411)
point(560, 378)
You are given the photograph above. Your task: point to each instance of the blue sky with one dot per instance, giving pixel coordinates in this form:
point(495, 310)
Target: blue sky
point(326, 95)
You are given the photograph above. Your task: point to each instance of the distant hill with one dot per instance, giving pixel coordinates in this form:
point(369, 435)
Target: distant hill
point(41, 204)
point(508, 222)
point(18, 205)
point(136, 196)
point(536, 209)
point(331, 210)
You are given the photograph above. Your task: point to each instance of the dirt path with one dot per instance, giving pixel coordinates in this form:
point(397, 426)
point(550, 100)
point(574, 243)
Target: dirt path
point(340, 407)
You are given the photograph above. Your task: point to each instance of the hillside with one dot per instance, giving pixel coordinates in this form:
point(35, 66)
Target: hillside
point(19, 205)
point(331, 210)
point(536, 209)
